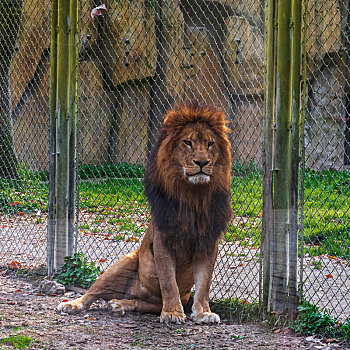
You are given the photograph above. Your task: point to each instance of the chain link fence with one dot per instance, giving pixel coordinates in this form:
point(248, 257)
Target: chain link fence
point(326, 214)
point(134, 67)
point(135, 60)
point(24, 62)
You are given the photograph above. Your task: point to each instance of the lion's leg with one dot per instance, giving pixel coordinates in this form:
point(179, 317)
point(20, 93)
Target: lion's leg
point(123, 305)
point(172, 310)
point(118, 282)
point(203, 267)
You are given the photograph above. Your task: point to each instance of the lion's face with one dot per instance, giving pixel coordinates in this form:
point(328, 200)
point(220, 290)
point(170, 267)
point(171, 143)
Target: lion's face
point(191, 159)
point(196, 153)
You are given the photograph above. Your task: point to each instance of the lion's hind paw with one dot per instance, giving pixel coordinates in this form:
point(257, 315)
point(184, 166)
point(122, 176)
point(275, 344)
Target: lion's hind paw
point(116, 306)
point(71, 307)
point(206, 317)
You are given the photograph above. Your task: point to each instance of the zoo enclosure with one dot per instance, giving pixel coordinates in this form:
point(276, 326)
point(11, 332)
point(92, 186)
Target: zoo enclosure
point(135, 60)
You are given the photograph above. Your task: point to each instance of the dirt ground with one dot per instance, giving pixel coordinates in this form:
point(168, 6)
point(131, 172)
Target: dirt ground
point(24, 310)
point(326, 279)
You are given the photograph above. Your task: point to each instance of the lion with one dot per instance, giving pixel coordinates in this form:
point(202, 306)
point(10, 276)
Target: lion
point(187, 184)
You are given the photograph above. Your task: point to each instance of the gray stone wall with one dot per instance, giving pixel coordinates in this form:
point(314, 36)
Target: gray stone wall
point(211, 51)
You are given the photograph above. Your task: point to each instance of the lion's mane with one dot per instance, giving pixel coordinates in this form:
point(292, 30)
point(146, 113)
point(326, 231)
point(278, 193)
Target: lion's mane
point(188, 215)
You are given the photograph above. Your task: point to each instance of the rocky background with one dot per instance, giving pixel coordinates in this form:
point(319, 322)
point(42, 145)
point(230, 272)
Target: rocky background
point(141, 56)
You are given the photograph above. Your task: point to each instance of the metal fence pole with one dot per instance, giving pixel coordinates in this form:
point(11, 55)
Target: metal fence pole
point(67, 39)
point(270, 47)
point(282, 173)
point(52, 149)
point(295, 161)
point(62, 166)
point(302, 151)
point(73, 110)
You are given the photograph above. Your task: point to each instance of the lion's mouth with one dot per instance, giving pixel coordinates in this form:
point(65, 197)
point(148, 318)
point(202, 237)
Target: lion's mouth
point(199, 178)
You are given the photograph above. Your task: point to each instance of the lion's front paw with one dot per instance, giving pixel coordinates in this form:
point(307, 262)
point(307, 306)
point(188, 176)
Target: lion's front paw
point(177, 317)
point(205, 317)
point(116, 307)
point(71, 307)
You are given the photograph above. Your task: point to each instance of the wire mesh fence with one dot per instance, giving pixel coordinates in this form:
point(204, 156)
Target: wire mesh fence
point(136, 59)
point(326, 273)
point(24, 132)
point(157, 54)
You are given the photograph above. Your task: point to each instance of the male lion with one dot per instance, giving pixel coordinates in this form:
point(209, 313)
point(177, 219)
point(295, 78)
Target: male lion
point(187, 184)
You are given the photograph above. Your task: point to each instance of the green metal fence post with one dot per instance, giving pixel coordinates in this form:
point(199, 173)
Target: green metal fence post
point(295, 160)
point(270, 47)
point(63, 122)
point(66, 85)
point(282, 174)
point(52, 149)
point(73, 110)
point(302, 151)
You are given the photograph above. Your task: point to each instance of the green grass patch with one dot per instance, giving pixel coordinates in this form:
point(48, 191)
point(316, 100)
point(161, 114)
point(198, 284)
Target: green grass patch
point(311, 321)
point(18, 341)
point(123, 170)
point(124, 194)
point(327, 213)
point(27, 195)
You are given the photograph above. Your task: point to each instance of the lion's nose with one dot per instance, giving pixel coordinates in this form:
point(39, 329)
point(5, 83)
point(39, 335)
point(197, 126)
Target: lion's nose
point(201, 163)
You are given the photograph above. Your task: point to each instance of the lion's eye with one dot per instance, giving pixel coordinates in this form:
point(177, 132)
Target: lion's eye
point(210, 144)
point(188, 143)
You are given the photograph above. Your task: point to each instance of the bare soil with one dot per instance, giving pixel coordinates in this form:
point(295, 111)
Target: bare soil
point(24, 310)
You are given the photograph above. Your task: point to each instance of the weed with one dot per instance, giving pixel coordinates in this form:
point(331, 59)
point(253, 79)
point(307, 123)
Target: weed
point(311, 321)
point(77, 270)
point(18, 341)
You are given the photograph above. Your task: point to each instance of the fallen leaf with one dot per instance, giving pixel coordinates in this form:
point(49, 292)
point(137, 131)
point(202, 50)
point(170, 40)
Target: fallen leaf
point(329, 276)
point(15, 264)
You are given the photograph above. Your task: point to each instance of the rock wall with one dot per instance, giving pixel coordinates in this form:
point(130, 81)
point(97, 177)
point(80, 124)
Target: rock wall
point(137, 59)
point(325, 114)
point(324, 120)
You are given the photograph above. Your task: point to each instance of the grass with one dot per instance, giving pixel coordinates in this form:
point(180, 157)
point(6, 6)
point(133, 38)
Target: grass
point(28, 195)
point(18, 341)
point(112, 195)
point(237, 310)
point(327, 213)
